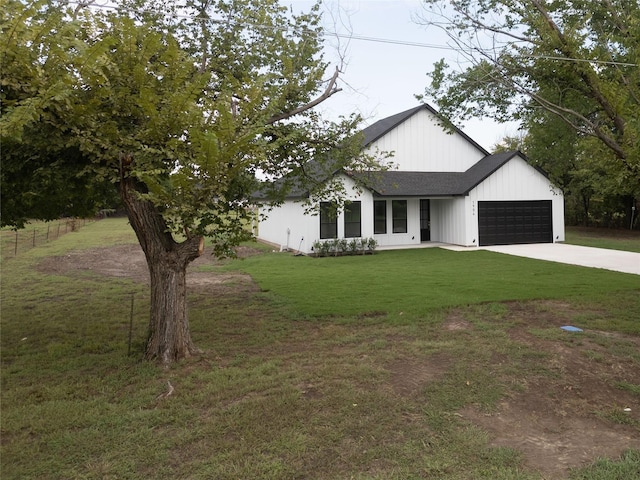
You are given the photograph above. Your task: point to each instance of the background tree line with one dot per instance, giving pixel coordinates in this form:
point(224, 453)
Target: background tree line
point(592, 193)
point(569, 72)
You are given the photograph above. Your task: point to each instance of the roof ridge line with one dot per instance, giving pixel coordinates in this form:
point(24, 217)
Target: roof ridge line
point(383, 126)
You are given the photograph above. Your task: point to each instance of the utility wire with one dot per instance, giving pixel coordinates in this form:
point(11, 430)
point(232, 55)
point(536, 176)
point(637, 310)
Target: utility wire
point(448, 47)
point(351, 36)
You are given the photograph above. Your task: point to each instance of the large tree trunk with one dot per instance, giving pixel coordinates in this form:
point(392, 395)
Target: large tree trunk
point(169, 337)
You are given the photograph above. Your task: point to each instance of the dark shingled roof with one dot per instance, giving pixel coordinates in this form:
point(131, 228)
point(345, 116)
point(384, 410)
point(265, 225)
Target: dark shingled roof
point(381, 127)
point(413, 184)
point(433, 184)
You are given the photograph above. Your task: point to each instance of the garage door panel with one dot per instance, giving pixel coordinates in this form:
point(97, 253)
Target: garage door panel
point(507, 222)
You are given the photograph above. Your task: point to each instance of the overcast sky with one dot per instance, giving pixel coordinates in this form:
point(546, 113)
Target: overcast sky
point(382, 78)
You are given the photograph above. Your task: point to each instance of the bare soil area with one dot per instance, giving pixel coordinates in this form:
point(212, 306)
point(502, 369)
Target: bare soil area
point(567, 416)
point(575, 412)
point(127, 261)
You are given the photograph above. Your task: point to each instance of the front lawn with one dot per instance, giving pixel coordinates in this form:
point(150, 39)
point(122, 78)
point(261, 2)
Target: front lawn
point(401, 365)
point(416, 283)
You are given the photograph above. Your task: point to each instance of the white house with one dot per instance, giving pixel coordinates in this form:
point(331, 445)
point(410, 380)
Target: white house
point(446, 188)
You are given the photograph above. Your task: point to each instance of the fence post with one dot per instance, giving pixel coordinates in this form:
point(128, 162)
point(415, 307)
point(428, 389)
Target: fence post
point(15, 250)
point(48, 227)
point(58, 234)
point(130, 325)
point(34, 237)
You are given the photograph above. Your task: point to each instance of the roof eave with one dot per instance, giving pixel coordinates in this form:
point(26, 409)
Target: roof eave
point(491, 172)
point(404, 116)
point(418, 195)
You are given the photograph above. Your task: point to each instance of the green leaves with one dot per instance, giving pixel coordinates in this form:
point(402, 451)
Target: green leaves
point(570, 72)
point(577, 60)
point(190, 103)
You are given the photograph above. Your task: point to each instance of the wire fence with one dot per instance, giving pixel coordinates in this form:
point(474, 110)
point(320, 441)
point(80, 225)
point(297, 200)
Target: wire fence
point(16, 242)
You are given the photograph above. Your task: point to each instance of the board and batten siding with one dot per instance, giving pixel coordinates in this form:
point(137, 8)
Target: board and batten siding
point(516, 180)
point(448, 221)
point(419, 144)
point(411, 237)
point(288, 226)
point(455, 220)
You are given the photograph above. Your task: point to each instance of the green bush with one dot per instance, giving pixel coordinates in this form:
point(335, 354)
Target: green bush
point(341, 246)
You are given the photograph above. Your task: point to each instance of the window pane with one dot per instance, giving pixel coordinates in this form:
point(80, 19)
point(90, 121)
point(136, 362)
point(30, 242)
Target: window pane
point(352, 224)
point(380, 216)
point(399, 208)
point(328, 221)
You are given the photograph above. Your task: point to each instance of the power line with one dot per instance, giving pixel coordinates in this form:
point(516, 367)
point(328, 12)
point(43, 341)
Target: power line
point(448, 47)
point(390, 41)
point(351, 36)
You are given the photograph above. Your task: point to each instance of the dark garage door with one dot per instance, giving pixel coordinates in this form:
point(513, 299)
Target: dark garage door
point(503, 223)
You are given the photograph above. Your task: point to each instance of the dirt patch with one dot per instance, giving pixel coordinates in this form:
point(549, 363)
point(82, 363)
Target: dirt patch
point(574, 411)
point(552, 434)
point(408, 377)
point(456, 322)
point(128, 261)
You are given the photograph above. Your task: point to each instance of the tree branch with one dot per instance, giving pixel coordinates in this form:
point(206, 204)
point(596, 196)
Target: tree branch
point(566, 114)
point(147, 220)
point(593, 129)
point(586, 74)
point(330, 90)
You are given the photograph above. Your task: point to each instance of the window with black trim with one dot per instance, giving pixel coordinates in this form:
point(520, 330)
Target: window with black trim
point(352, 220)
point(399, 211)
point(328, 220)
point(380, 216)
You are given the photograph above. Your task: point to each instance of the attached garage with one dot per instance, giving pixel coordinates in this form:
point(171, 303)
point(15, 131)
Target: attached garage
point(508, 222)
point(448, 189)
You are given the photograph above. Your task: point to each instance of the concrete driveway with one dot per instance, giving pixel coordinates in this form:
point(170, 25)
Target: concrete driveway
point(627, 262)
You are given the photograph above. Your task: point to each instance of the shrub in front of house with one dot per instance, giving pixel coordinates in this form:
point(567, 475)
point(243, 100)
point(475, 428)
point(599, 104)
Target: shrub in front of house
point(355, 246)
point(372, 244)
point(337, 247)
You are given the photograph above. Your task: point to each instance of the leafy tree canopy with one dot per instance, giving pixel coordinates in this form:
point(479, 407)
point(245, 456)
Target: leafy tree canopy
point(192, 102)
point(179, 106)
point(575, 60)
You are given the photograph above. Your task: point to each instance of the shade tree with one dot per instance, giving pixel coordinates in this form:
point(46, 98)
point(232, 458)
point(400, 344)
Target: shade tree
point(179, 110)
point(575, 63)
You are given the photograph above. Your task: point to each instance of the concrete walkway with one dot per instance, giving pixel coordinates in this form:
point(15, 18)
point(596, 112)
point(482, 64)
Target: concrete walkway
point(616, 260)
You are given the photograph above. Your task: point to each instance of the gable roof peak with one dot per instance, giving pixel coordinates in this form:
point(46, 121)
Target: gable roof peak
point(380, 128)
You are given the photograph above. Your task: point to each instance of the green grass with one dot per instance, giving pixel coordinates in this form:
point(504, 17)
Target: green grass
point(300, 381)
point(626, 468)
point(415, 283)
point(635, 389)
point(628, 240)
point(36, 233)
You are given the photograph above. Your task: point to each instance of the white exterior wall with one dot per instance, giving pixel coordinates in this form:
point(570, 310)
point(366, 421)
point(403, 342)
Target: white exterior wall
point(289, 227)
point(412, 237)
point(516, 180)
point(448, 223)
point(421, 145)
point(557, 209)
